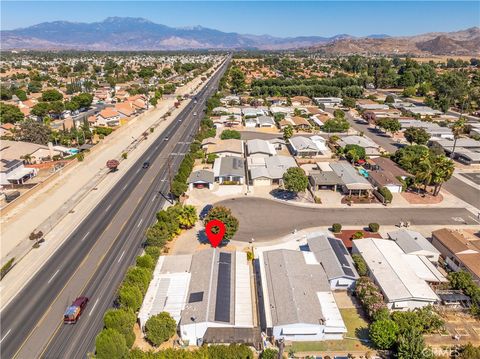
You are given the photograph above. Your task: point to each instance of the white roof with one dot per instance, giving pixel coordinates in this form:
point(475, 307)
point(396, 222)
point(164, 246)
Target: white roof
point(168, 289)
point(393, 270)
point(333, 319)
point(361, 141)
point(243, 299)
point(20, 173)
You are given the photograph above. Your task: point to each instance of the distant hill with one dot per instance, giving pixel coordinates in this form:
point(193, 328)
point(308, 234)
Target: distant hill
point(466, 42)
point(125, 33)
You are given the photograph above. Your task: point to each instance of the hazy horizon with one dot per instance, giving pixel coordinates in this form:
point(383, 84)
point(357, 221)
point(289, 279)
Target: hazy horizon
point(355, 18)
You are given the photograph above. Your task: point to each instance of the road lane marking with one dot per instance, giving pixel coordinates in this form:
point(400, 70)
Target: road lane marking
point(66, 284)
point(138, 170)
point(110, 205)
point(53, 276)
point(6, 335)
point(121, 256)
point(474, 219)
point(85, 236)
point(93, 307)
point(125, 186)
point(140, 222)
point(153, 199)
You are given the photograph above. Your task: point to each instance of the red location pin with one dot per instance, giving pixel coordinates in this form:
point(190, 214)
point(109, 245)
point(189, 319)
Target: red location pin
point(215, 238)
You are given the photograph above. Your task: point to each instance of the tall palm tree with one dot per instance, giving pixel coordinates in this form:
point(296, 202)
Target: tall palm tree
point(442, 171)
point(424, 174)
point(458, 128)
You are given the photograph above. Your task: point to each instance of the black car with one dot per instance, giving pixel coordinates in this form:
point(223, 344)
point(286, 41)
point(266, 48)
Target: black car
point(146, 164)
point(205, 211)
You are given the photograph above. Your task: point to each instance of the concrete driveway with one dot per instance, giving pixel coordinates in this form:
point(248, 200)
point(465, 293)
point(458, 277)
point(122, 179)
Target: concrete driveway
point(265, 219)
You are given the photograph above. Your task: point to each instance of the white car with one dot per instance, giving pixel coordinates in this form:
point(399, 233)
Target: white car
point(194, 114)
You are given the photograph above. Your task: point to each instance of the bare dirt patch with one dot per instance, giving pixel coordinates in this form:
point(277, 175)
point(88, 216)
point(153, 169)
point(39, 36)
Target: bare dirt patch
point(422, 198)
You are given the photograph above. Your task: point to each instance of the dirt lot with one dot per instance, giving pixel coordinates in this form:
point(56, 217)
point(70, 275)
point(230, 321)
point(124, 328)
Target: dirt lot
point(460, 324)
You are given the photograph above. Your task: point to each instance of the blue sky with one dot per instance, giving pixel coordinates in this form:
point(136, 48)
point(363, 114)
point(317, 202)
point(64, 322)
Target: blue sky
point(278, 18)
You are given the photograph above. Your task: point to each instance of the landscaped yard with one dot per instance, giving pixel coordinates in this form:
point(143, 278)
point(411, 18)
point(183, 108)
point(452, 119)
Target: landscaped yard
point(357, 328)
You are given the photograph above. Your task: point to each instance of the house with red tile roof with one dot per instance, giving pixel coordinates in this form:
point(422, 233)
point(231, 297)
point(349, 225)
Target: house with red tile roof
point(108, 117)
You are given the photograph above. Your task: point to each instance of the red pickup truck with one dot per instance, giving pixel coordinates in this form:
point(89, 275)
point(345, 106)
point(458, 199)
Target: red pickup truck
point(74, 311)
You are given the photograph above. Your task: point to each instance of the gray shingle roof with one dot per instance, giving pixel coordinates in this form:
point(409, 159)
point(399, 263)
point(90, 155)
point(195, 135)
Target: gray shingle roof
point(201, 176)
point(411, 241)
point(231, 166)
point(333, 256)
point(292, 287)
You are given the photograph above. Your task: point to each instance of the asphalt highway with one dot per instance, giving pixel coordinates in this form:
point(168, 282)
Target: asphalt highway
point(94, 259)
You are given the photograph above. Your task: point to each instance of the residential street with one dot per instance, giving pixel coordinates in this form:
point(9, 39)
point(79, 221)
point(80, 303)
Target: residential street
point(456, 187)
point(279, 219)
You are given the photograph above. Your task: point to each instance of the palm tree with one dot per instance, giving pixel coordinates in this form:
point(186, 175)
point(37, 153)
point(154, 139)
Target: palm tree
point(424, 173)
point(458, 128)
point(442, 171)
point(27, 158)
point(188, 216)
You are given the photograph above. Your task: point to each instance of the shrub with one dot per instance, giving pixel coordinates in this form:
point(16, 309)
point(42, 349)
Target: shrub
point(370, 296)
point(357, 235)
point(122, 320)
point(110, 344)
point(336, 228)
point(80, 156)
point(360, 264)
point(124, 155)
point(295, 180)
point(385, 192)
point(269, 353)
point(230, 134)
point(6, 267)
point(373, 227)
point(159, 328)
point(154, 252)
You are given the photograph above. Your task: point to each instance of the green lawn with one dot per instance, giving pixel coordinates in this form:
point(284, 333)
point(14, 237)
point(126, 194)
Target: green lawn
point(357, 327)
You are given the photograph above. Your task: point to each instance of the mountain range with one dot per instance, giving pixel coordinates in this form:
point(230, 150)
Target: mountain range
point(135, 34)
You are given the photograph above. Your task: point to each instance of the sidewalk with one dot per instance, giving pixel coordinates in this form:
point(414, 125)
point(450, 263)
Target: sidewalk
point(15, 235)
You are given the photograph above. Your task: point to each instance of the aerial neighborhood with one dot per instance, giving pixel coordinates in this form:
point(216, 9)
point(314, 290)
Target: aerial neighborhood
point(343, 193)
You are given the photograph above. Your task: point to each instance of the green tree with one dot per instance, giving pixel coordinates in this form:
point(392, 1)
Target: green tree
point(335, 125)
point(458, 128)
point(383, 333)
point(130, 296)
point(145, 261)
point(417, 135)
point(353, 153)
point(389, 99)
point(110, 344)
point(84, 100)
point(411, 345)
point(10, 113)
point(442, 171)
point(122, 320)
point(295, 180)
point(225, 215)
point(159, 328)
point(21, 94)
point(409, 91)
point(179, 188)
point(51, 95)
point(348, 102)
point(389, 125)
point(188, 216)
point(237, 79)
point(470, 352)
point(36, 132)
point(138, 276)
point(230, 134)
point(287, 132)
point(40, 109)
